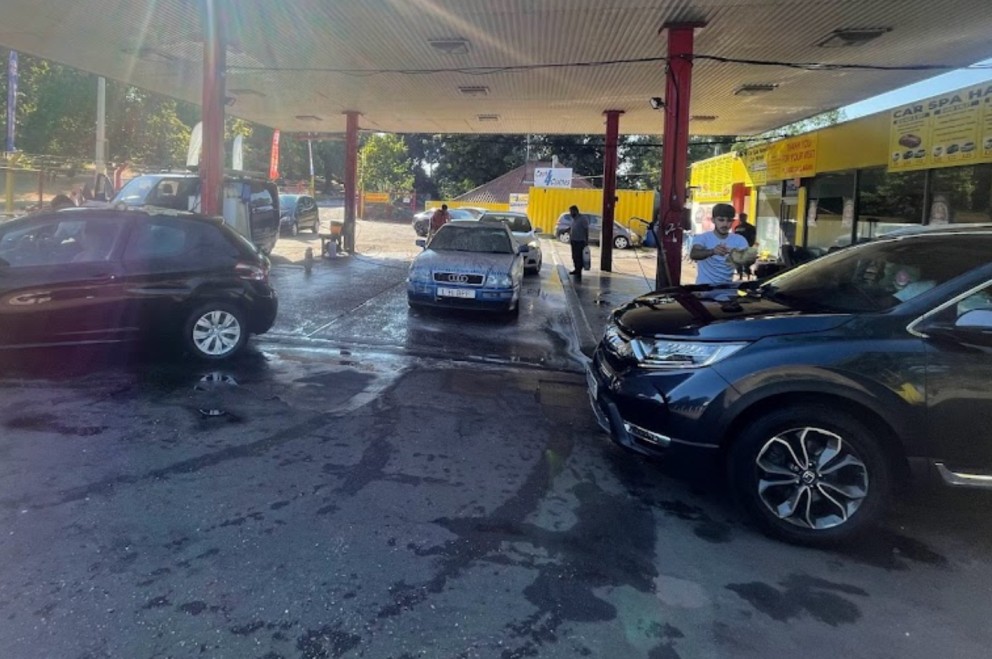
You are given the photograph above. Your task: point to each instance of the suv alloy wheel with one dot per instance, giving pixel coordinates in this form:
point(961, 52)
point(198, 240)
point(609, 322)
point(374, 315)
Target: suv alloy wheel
point(810, 475)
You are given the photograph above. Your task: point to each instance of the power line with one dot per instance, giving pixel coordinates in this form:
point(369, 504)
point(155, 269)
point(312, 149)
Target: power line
point(491, 70)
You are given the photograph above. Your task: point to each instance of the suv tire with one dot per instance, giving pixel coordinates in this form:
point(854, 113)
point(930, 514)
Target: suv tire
point(810, 474)
point(565, 236)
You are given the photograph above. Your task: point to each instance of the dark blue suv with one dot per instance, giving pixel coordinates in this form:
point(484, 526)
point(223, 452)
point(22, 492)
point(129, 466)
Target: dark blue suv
point(820, 388)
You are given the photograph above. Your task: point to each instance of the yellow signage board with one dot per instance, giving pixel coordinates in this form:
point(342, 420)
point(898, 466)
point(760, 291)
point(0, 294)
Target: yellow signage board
point(942, 131)
point(713, 179)
point(756, 163)
point(376, 197)
point(794, 157)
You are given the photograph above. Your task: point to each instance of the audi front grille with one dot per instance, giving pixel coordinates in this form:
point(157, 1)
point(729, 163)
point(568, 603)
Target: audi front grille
point(458, 279)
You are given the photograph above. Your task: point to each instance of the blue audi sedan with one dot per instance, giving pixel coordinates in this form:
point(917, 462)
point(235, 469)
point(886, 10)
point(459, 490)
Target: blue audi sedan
point(468, 265)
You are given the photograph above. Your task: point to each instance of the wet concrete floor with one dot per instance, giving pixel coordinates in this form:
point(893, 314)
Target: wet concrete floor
point(369, 482)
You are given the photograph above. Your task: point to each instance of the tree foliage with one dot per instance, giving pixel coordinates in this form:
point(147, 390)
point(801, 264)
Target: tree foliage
point(385, 164)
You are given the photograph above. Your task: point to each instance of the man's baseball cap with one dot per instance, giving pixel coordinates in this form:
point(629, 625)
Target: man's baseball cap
point(724, 210)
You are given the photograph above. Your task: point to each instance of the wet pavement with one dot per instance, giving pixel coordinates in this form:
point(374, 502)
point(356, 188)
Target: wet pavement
point(369, 482)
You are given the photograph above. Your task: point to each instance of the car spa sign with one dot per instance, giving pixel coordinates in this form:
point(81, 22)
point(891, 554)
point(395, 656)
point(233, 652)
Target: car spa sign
point(942, 131)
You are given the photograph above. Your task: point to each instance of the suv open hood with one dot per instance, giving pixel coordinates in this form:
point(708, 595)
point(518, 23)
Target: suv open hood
point(717, 314)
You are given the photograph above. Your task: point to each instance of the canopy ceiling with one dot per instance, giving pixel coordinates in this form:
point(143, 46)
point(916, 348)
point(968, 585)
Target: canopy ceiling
point(536, 66)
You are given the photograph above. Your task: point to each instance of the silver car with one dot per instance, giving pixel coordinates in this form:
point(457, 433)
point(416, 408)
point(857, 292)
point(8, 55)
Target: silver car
point(622, 236)
point(524, 233)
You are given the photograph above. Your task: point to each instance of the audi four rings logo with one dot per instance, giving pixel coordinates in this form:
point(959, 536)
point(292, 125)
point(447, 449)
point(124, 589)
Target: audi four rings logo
point(458, 279)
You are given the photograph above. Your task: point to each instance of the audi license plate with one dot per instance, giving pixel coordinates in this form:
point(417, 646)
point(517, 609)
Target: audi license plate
point(455, 292)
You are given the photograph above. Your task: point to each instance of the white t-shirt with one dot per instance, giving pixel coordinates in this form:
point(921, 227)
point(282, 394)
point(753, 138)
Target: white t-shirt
point(717, 269)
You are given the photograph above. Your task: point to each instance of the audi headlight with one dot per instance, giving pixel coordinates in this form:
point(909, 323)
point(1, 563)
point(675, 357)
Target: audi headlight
point(533, 245)
point(664, 353)
point(420, 276)
point(501, 280)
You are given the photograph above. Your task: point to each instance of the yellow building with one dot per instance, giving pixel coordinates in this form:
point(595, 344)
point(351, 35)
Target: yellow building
point(927, 162)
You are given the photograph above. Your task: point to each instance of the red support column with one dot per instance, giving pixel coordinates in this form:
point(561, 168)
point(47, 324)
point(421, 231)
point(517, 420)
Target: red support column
point(214, 66)
point(609, 188)
point(350, 180)
point(678, 88)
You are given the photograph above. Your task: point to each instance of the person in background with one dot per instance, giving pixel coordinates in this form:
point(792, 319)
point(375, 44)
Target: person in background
point(749, 233)
point(440, 217)
point(711, 250)
point(578, 238)
point(61, 201)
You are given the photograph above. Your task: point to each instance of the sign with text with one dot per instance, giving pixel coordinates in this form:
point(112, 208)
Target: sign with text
point(713, 179)
point(756, 163)
point(547, 177)
point(942, 131)
point(794, 157)
point(518, 202)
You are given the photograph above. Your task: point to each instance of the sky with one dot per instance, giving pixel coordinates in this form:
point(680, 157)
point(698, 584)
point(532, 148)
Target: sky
point(937, 85)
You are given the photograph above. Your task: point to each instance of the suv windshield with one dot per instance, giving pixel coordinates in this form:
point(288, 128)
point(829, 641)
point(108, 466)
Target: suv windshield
point(878, 276)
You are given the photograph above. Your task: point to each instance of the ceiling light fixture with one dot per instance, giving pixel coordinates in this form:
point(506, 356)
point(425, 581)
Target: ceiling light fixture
point(308, 117)
point(487, 117)
point(455, 46)
point(753, 89)
point(853, 37)
point(477, 90)
point(703, 117)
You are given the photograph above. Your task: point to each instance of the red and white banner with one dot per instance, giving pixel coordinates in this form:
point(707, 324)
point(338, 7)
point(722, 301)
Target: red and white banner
point(274, 161)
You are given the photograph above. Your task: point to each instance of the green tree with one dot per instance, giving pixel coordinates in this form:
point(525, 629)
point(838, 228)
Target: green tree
point(385, 164)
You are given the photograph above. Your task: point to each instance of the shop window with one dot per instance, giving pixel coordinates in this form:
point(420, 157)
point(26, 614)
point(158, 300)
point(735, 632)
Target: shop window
point(961, 194)
point(830, 212)
point(890, 200)
point(768, 209)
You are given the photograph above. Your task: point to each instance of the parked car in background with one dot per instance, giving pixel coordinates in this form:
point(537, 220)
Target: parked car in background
point(475, 211)
point(820, 388)
point(87, 275)
point(622, 236)
point(523, 232)
point(422, 220)
point(298, 211)
point(251, 204)
point(468, 265)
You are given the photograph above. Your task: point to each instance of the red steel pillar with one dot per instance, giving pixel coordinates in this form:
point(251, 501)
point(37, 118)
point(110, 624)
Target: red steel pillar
point(214, 66)
point(678, 88)
point(350, 179)
point(609, 188)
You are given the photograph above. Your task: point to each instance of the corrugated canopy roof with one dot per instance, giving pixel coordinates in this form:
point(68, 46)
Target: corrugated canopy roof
point(536, 66)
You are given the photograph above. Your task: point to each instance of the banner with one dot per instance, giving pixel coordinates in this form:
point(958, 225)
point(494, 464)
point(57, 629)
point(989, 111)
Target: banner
point(237, 153)
point(11, 99)
point(942, 131)
point(195, 144)
point(518, 202)
point(274, 161)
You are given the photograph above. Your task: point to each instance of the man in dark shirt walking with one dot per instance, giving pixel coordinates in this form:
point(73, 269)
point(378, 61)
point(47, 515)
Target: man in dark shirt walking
point(578, 238)
point(750, 234)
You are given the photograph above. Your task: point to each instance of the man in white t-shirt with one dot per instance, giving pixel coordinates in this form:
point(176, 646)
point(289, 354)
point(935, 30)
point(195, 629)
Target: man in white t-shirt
point(711, 250)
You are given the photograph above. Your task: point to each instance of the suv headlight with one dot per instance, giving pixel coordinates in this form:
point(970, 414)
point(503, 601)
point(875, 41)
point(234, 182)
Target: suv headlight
point(665, 353)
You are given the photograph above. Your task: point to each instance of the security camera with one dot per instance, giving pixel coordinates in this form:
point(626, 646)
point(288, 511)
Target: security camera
point(657, 103)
